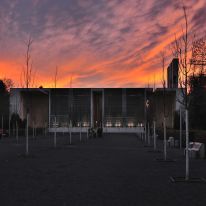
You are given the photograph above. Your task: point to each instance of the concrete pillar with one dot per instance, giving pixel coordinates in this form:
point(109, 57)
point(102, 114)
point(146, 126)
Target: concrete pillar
point(103, 115)
point(49, 109)
point(27, 134)
point(91, 111)
point(180, 128)
point(124, 107)
point(2, 125)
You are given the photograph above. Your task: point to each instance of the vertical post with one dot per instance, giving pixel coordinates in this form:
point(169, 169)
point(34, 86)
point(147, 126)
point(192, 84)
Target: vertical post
point(87, 134)
point(33, 128)
point(17, 133)
point(145, 115)
point(70, 133)
point(180, 128)
point(124, 107)
point(154, 135)
point(49, 109)
point(92, 120)
point(80, 132)
point(45, 132)
point(165, 140)
point(2, 126)
point(103, 116)
point(9, 126)
point(27, 133)
point(187, 145)
point(55, 132)
point(148, 134)
point(13, 129)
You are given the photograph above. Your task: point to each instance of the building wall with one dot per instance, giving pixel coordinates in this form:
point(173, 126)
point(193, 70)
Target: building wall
point(37, 104)
point(172, 74)
point(169, 100)
point(33, 100)
point(70, 105)
point(122, 107)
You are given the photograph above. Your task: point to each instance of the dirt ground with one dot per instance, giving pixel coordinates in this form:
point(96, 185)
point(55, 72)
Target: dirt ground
point(114, 170)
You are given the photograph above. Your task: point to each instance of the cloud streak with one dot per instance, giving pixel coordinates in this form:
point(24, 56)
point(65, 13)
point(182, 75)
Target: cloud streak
point(100, 43)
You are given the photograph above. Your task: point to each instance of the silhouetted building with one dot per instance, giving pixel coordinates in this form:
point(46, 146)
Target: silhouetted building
point(172, 74)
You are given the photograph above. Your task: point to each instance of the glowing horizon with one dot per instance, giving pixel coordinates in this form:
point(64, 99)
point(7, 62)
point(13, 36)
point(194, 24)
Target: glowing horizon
point(96, 43)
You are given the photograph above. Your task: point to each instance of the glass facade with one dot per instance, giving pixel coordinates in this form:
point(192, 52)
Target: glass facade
point(119, 107)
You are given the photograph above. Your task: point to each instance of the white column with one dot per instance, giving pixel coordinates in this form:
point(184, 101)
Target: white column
point(27, 133)
point(92, 123)
point(80, 132)
point(103, 116)
point(2, 125)
point(187, 145)
point(49, 109)
point(165, 140)
point(33, 128)
point(17, 133)
point(154, 135)
point(9, 125)
point(45, 131)
point(55, 132)
point(70, 132)
point(148, 134)
point(180, 128)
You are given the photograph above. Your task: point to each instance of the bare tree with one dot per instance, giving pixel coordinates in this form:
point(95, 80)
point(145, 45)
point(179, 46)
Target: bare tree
point(9, 83)
point(70, 110)
point(55, 118)
point(198, 59)
point(27, 70)
point(162, 54)
point(182, 49)
point(28, 77)
point(154, 116)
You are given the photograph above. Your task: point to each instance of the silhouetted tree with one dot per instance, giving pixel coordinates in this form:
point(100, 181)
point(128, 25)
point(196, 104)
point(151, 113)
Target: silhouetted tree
point(8, 83)
point(197, 101)
point(181, 49)
point(4, 104)
point(28, 70)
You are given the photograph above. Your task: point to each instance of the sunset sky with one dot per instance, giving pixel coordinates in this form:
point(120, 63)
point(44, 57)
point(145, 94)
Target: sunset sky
point(100, 43)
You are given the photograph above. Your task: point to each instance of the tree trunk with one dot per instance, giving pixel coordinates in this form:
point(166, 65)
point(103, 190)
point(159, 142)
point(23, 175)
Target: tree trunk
point(2, 126)
point(80, 132)
point(180, 128)
point(9, 126)
point(154, 135)
point(187, 145)
point(165, 140)
point(70, 133)
point(148, 134)
point(55, 132)
point(27, 134)
point(33, 129)
point(17, 133)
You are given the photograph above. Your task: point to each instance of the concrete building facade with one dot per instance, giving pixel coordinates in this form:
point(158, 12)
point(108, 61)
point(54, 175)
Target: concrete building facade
point(114, 109)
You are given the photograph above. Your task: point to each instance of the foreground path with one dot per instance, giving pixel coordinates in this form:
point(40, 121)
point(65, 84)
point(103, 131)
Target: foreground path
point(114, 170)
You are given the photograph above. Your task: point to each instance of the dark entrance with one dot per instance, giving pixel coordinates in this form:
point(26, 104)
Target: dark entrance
point(97, 108)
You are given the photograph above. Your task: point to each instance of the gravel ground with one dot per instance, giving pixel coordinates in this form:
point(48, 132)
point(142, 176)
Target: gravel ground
point(114, 170)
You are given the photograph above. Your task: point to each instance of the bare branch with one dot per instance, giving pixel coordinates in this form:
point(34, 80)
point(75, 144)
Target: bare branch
point(27, 73)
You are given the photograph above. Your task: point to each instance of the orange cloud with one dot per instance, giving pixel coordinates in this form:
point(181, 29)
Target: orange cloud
point(107, 45)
